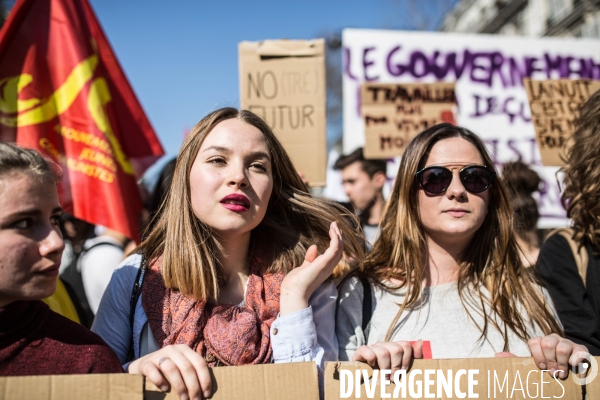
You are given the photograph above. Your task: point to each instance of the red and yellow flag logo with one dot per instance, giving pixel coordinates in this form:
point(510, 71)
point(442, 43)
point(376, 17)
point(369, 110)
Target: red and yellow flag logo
point(63, 93)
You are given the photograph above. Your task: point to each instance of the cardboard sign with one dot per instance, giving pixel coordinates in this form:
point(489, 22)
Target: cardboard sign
point(500, 378)
point(483, 378)
point(554, 107)
point(395, 113)
point(294, 381)
point(59, 387)
point(283, 82)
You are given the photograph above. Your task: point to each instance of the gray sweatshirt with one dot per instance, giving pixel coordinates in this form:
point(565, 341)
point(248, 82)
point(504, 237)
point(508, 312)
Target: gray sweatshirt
point(439, 318)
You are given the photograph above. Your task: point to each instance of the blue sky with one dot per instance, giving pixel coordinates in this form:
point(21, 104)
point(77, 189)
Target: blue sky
point(181, 56)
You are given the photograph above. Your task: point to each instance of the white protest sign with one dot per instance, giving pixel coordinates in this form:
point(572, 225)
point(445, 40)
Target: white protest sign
point(488, 71)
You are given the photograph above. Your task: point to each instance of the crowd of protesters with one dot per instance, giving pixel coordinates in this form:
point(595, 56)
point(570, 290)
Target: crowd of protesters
point(239, 262)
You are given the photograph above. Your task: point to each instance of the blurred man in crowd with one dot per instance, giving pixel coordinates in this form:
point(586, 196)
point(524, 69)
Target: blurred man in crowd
point(363, 182)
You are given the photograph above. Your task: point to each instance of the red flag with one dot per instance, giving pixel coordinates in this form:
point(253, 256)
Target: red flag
point(63, 93)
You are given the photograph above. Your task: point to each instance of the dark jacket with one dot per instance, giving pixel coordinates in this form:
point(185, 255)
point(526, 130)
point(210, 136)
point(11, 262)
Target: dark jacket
point(578, 307)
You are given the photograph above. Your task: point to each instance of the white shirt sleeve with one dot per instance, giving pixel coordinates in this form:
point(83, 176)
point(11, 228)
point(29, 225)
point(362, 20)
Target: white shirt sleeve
point(97, 267)
point(309, 334)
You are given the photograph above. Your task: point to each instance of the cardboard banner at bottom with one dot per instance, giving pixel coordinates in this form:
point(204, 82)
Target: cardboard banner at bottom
point(484, 378)
point(293, 381)
point(59, 387)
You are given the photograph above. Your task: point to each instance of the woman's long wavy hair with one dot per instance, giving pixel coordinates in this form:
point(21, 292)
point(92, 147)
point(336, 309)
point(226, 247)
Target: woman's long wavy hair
point(581, 197)
point(294, 219)
point(491, 259)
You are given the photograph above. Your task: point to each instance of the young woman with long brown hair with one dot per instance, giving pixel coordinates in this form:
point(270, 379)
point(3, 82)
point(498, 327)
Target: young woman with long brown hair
point(446, 270)
point(231, 263)
point(575, 288)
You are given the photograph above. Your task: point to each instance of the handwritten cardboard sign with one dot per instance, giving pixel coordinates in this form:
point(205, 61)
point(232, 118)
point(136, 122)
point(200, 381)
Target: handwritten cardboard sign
point(395, 113)
point(283, 81)
point(554, 107)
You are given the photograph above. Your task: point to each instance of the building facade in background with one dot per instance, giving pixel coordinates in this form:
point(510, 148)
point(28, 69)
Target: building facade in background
point(568, 18)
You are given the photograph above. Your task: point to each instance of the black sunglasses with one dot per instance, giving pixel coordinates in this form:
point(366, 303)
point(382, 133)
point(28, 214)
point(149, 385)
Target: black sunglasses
point(436, 179)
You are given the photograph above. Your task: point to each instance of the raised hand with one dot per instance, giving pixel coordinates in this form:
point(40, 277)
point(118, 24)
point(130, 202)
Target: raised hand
point(301, 282)
point(177, 366)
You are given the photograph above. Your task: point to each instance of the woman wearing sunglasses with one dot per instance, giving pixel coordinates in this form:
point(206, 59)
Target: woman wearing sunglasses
point(445, 273)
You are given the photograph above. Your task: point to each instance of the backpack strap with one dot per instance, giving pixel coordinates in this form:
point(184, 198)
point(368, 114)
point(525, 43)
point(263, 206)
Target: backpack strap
point(367, 304)
point(579, 252)
point(73, 281)
point(135, 295)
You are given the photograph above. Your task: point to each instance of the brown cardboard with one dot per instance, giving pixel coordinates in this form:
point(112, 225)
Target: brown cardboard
point(554, 106)
point(395, 113)
point(257, 382)
point(253, 382)
point(72, 387)
point(298, 381)
point(283, 81)
point(510, 372)
point(592, 389)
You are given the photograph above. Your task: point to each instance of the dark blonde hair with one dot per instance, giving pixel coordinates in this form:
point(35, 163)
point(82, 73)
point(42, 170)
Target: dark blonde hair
point(294, 219)
point(581, 197)
point(490, 260)
point(28, 161)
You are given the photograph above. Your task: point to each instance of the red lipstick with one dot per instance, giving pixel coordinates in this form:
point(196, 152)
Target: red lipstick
point(236, 202)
